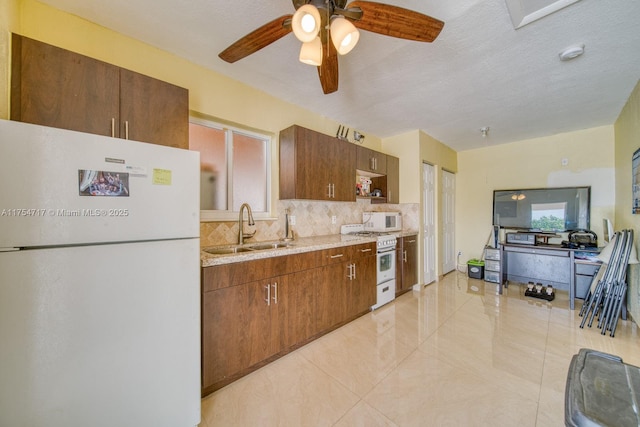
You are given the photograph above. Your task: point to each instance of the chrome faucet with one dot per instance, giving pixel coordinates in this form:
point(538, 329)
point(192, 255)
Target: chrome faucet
point(288, 233)
point(241, 234)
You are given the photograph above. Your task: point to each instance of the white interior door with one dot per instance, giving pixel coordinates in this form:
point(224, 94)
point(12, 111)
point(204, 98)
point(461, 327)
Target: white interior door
point(429, 223)
point(448, 222)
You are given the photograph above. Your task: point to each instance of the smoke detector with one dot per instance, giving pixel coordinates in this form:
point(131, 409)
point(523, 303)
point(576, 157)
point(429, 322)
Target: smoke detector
point(571, 52)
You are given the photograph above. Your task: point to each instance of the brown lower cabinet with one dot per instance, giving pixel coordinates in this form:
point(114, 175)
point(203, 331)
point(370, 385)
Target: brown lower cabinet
point(406, 263)
point(348, 286)
point(256, 311)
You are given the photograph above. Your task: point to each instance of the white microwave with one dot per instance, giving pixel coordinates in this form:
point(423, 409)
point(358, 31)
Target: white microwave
point(382, 221)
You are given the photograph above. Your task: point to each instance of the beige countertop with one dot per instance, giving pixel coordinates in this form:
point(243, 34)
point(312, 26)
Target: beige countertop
point(299, 245)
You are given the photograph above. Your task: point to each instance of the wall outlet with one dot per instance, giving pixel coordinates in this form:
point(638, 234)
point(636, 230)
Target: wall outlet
point(459, 253)
point(333, 219)
point(292, 220)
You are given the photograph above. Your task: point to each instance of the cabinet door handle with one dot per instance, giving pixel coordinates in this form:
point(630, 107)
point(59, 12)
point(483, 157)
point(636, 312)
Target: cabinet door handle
point(113, 127)
point(336, 256)
point(404, 256)
point(268, 299)
point(275, 292)
point(352, 271)
point(333, 191)
point(126, 129)
point(329, 191)
point(365, 250)
point(412, 241)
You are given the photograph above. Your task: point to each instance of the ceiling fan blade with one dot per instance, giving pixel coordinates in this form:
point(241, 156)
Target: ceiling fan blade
point(396, 21)
point(328, 70)
point(257, 39)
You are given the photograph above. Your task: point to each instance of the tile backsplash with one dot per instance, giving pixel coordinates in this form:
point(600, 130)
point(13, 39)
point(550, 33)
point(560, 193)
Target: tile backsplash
point(313, 218)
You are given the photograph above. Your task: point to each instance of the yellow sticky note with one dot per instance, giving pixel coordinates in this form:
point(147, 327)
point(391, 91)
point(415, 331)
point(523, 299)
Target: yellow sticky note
point(161, 177)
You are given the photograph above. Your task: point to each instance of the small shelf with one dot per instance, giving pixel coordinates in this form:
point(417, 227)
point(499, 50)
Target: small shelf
point(373, 199)
point(543, 238)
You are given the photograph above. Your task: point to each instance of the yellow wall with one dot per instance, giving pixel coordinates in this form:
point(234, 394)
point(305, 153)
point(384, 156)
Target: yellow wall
point(415, 148)
point(210, 93)
point(434, 152)
point(531, 164)
point(406, 148)
point(627, 135)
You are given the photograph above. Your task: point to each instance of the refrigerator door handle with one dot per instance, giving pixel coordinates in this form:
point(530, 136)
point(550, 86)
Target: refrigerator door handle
point(9, 249)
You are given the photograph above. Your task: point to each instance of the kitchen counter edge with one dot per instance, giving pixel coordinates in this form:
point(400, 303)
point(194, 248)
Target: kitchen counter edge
point(299, 245)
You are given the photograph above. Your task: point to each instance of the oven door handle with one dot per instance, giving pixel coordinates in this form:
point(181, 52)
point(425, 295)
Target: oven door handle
point(385, 250)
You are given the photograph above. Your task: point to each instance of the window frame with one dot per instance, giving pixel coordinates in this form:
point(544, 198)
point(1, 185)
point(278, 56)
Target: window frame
point(229, 130)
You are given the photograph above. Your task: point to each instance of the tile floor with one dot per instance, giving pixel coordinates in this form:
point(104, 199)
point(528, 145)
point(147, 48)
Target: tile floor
point(454, 354)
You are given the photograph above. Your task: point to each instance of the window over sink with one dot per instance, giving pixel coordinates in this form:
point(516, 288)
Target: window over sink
point(234, 169)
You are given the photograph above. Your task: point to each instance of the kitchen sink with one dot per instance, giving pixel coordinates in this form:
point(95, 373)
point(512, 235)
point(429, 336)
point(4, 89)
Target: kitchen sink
point(263, 246)
point(227, 251)
point(248, 248)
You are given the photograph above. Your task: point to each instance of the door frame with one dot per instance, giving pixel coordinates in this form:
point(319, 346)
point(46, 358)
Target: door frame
point(429, 223)
point(448, 221)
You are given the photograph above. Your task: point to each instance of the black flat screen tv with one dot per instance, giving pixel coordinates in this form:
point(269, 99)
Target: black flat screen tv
point(545, 210)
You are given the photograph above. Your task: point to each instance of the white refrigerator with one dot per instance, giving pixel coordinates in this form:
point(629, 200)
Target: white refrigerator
point(99, 281)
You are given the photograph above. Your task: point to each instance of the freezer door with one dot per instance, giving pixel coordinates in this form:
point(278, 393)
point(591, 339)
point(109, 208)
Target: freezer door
point(103, 335)
point(61, 187)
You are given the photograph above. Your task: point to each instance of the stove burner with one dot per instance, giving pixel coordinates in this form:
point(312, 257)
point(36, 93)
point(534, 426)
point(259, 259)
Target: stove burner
point(368, 234)
point(385, 240)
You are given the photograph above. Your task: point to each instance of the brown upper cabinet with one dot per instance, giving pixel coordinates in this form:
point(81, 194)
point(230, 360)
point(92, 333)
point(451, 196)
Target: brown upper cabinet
point(315, 166)
point(368, 160)
point(393, 179)
point(55, 87)
point(388, 183)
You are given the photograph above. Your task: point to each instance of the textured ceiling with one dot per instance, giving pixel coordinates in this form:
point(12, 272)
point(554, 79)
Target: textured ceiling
point(479, 72)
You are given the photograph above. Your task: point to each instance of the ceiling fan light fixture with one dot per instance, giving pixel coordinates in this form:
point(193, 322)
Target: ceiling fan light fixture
point(306, 23)
point(344, 35)
point(311, 52)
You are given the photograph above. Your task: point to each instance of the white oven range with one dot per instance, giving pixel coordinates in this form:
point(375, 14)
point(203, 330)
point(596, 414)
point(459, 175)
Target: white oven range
point(385, 265)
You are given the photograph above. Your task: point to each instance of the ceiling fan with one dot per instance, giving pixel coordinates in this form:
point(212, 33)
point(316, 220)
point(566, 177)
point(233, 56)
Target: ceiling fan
point(330, 27)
